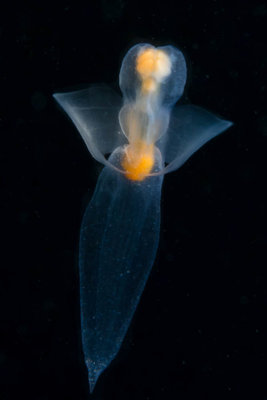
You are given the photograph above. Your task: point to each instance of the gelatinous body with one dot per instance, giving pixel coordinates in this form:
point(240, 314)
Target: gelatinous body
point(119, 240)
point(147, 137)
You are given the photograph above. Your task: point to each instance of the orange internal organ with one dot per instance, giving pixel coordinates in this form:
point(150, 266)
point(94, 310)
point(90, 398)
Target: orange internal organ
point(149, 85)
point(138, 160)
point(153, 63)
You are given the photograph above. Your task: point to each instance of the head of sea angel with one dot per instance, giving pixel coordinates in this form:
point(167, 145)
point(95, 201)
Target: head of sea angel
point(151, 80)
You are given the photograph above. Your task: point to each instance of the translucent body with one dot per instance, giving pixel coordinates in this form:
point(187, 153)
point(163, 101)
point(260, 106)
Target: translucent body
point(147, 138)
point(119, 240)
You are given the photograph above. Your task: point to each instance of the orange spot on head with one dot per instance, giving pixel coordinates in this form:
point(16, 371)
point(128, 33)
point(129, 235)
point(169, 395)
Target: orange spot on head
point(152, 65)
point(145, 63)
point(138, 161)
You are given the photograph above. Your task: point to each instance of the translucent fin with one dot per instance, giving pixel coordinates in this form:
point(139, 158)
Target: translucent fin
point(95, 113)
point(190, 128)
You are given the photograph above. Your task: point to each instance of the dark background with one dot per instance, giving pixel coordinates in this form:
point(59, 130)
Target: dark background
point(200, 329)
